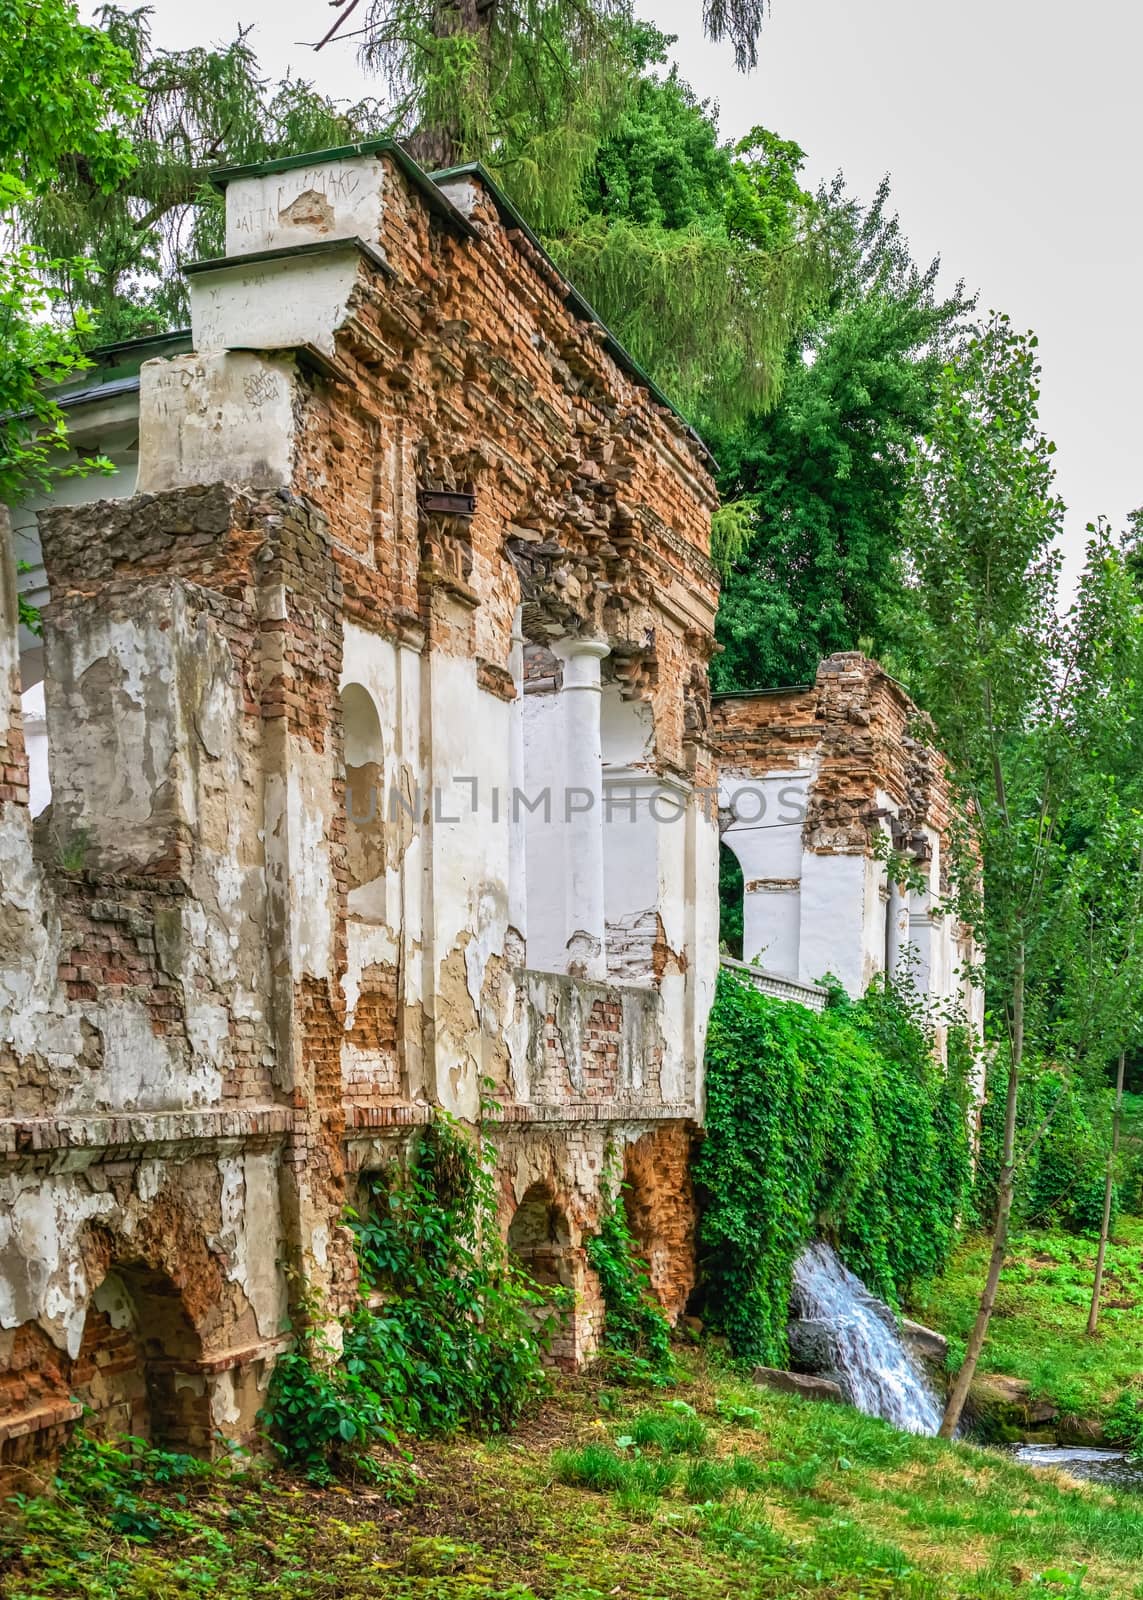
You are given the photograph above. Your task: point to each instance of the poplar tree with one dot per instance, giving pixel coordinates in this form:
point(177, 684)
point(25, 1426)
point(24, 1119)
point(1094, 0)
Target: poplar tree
point(1015, 690)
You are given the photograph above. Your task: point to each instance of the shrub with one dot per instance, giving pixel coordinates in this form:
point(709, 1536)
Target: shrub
point(454, 1342)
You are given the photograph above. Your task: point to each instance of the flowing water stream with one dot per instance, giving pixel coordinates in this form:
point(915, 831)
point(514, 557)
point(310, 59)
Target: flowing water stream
point(879, 1376)
point(873, 1367)
point(1084, 1461)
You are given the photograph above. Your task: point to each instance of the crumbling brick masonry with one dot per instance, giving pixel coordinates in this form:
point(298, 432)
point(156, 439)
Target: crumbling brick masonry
point(378, 740)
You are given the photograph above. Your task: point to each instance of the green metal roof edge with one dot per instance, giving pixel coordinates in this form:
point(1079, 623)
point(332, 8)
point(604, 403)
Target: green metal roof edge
point(293, 252)
point(415, 173)
point(100, 352)
point(578, 302)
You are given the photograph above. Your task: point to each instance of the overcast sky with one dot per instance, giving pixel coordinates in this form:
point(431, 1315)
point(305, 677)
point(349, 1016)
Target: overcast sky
point(1010, 131)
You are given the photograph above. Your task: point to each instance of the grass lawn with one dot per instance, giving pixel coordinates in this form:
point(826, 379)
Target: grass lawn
point(1037, 1329)
point(610, 1494)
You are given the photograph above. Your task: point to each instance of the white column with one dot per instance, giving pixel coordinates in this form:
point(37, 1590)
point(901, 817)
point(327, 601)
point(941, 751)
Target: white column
point(896, 928)
point(517, 831)
point(581, 806)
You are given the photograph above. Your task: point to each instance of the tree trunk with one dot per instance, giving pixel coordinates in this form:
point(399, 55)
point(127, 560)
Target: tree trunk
point(1005, 1193)
point(1108, 1185)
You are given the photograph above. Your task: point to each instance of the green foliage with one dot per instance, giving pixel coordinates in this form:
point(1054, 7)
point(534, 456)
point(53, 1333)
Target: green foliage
point(702, 257)
point(457, 1341)
point(1037, 1332)
point(126, 1496)
point(1123, 1424)
point(1060, 1181)
point(523, 87)
point(29, 615)
point(62, 87)
point(841, 1123)
point(821, 478)
point(65, 88)
point(731, 891)
point(449, 1333)
point(636, 1334)
point(675, 1430)
point(35, 354)
point(195, 110)
point(323, 1419)
point(814, 1501)
point(497, 82)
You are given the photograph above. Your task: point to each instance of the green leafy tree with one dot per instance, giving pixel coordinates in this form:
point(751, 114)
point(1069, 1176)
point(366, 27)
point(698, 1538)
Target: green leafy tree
point(64, 89)
point(1014, 689)
point(702, 256)
point(820, 479)
point(466, 77)
point(133, 226)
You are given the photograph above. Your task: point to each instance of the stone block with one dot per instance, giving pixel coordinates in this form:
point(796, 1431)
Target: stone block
point(800, 1383)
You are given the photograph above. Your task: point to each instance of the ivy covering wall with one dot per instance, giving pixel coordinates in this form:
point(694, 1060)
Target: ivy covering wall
point(840, 1124)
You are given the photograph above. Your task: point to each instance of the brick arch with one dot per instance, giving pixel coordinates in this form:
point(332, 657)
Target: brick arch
point(539, 1237)
point(139, 1365)
point(659, 1200)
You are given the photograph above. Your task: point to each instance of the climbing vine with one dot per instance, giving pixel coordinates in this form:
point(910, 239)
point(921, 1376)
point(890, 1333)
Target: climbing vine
point(449, 1333)
point(636, 1333)
point(841, 1124)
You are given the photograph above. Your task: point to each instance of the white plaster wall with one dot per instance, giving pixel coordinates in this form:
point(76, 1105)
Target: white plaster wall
point(702, 948)
point(384, 920)
point(765, 834)
point(833, 895)
point(43, 1217)
point(252, 1235)
point(269, 305)
point(466, 878)
point(634, 845)
point(36, 745)
point(544, 770)
point(329, 200)
point(116, 756)
point(223, 417)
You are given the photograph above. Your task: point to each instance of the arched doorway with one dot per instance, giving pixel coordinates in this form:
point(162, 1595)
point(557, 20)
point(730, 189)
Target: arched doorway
point(539, 1242)
point(139, 1366)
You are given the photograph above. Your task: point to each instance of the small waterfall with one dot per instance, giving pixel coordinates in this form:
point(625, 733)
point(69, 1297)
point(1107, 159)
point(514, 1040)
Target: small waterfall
point(865, 1351)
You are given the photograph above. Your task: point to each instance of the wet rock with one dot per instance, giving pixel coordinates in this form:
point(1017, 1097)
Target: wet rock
point(996, 1397)
point(1080, 1430)
point(925, 1344)
point(811, 1346)
point(810, 1388)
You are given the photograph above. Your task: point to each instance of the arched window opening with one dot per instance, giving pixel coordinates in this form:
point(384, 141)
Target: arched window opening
point(731, 891)
point(539, 1239)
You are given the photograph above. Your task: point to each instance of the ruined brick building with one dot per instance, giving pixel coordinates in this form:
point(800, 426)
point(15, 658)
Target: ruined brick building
point(811, 779)
point(413, 544)
point(367, 766)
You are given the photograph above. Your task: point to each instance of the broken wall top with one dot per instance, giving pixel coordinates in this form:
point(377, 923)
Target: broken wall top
point(374, 341)
point(859, 736)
